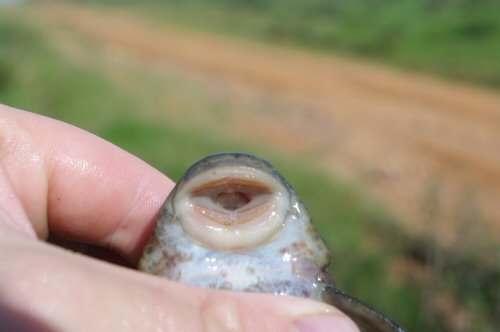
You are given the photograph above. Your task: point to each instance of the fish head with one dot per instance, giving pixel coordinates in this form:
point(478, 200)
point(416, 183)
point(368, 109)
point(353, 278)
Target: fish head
point(233, 222)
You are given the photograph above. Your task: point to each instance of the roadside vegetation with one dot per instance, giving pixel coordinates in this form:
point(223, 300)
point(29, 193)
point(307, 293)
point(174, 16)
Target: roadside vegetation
point(459, 39)
point(374, 259)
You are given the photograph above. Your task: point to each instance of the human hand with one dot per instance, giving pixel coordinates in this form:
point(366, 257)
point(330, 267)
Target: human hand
point(58, 179)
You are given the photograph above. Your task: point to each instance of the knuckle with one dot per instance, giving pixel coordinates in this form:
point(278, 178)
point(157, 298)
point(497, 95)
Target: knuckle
point(221, 312)
point(227, 311)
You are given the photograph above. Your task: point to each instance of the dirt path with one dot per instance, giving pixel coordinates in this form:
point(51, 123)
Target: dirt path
point(405, 137)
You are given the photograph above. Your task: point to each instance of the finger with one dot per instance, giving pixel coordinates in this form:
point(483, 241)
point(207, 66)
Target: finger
point(77, 185)
point(42, 279)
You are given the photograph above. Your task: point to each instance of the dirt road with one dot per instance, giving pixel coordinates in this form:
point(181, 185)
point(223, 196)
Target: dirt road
point(406, 138)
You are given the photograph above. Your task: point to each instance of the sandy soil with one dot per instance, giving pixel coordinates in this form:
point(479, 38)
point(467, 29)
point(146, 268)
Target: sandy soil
point(418, 143)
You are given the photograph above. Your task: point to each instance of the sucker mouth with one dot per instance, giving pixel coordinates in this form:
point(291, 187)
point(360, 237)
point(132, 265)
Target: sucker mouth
point(230, 201)
point(231, 206)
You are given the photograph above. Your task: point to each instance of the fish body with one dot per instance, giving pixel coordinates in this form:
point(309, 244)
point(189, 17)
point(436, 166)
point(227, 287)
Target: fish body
point(233, 222)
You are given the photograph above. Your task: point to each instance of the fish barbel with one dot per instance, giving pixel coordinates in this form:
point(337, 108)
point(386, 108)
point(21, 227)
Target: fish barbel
point(233, 222)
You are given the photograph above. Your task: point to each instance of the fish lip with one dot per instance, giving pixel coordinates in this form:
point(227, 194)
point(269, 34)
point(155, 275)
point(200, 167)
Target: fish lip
point(232, 167)
point(237, 158)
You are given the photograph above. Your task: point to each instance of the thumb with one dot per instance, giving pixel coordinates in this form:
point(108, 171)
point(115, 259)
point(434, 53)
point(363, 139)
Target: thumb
point(230, 311)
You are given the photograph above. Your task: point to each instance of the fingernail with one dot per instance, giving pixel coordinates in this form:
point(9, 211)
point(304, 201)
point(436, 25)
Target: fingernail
point(327, 323)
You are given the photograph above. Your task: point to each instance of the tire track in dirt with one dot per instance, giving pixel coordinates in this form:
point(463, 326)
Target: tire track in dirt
point(399, 135)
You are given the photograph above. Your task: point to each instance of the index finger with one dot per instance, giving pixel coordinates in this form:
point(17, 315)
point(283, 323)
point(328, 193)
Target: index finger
point(78, 185)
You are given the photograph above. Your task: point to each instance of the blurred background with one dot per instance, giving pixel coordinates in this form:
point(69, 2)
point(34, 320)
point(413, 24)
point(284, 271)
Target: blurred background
point(384, 114)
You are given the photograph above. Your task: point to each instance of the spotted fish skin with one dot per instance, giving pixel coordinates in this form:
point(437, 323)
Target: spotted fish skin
point(233, 222)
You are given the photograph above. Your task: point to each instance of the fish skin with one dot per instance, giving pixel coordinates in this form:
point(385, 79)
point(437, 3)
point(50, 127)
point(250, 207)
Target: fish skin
point(291, 259)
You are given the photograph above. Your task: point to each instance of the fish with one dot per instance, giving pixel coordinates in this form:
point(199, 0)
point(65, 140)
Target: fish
point(234, 222)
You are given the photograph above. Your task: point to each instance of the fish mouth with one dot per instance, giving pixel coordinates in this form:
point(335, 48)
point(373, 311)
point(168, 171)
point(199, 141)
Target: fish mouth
point(231, 203)
point(232, 200)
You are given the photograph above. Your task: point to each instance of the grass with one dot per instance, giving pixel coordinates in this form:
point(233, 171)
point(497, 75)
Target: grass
point(36, 76)
point(456, 39)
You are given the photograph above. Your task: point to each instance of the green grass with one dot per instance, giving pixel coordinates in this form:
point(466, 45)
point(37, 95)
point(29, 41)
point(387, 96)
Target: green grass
point(37, 77)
